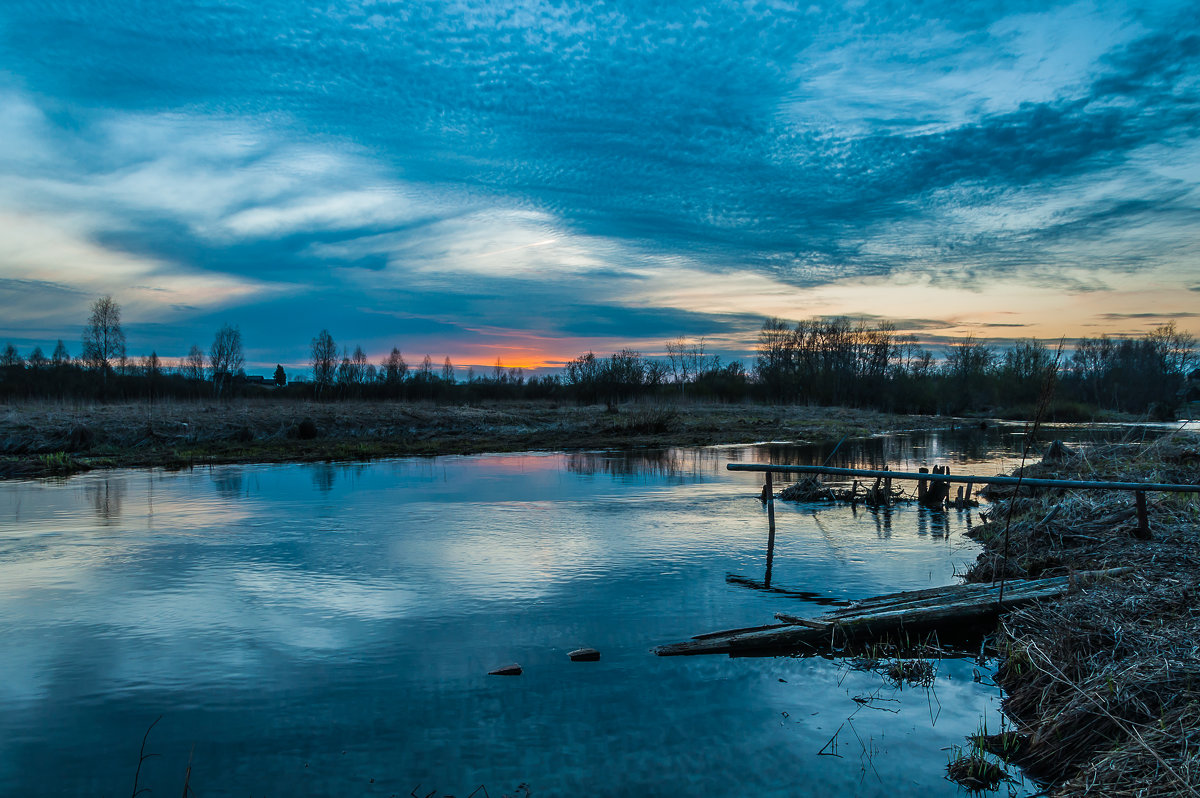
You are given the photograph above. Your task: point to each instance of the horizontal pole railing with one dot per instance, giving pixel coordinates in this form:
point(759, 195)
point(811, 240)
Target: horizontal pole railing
point(1031, 482)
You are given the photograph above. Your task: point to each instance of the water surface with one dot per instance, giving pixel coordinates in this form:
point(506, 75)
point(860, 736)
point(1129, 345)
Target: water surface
point(328, 629)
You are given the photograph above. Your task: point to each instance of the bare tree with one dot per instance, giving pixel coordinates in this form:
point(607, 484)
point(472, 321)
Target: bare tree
point(103, 338)
point(394, 368)
point(61, 356)
point(193, 364)
point(226, 357)
point(360, 363)
point(152, 366)
point(657, 372)
point(353, 369)
point(37, 360)
point(10, 357)
point(324, 361)
point(447, 370)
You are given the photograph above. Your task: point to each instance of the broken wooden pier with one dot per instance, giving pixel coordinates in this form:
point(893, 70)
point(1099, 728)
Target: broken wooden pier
point(880, 617)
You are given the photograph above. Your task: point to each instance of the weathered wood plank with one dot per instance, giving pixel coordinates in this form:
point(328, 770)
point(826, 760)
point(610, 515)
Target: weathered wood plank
point(957, 605)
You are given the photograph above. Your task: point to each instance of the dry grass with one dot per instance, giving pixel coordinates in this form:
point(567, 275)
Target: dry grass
point(1104, 686)
point(269, 430)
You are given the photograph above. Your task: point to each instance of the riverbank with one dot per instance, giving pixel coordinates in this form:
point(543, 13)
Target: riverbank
point(46, 439)
point(1104, 685)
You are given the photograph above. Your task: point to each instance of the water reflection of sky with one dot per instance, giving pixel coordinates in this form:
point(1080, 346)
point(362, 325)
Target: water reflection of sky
point(278, 616)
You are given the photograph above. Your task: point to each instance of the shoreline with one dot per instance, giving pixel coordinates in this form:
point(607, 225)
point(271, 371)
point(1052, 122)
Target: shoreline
point(1102, 686)
point(45, 439)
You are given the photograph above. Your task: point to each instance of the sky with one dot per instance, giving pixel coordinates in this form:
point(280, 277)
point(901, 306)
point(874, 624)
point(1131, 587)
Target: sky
point(530, 180)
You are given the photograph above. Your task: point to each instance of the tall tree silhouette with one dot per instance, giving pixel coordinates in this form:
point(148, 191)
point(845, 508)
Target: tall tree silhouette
point(193, 364)
point(103, 338)
point(61, 356)
point(324, 361)
point(226, 357)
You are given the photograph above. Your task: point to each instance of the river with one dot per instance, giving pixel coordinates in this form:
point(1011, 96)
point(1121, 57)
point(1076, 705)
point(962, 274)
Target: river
point(327, 629)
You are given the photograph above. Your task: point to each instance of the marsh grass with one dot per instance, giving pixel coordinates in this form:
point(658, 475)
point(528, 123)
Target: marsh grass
point(1104, 685)
point(179, 434)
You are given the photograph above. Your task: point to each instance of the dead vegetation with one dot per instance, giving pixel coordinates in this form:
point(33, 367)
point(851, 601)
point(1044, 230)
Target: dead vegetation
point(179, 434)
point(1104, 685)
point(976, 772)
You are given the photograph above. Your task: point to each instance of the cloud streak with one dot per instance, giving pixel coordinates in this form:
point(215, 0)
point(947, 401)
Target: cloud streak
point(445, 168)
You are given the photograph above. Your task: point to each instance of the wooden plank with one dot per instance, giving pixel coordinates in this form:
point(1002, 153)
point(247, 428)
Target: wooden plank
point(927, 612)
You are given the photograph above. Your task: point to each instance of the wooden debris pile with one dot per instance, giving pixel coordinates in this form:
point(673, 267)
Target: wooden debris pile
point(935, 495)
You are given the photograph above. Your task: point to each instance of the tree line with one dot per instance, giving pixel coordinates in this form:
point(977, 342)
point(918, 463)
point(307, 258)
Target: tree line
point(836, 362)
point(822, 361)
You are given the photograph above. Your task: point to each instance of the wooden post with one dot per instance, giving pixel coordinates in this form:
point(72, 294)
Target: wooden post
point(1143, 526)
point(967, 493)
point(944, 497)
point(921, 485)
point(887, 486)
point(770, 528)
point(958, 500)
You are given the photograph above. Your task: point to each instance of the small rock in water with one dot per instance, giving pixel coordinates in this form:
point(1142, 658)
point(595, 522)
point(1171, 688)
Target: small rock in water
point(507, 670)
point(584, 655)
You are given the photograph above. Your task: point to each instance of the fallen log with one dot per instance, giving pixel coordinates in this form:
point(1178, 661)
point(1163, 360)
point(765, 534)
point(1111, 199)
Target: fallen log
point(871, 619)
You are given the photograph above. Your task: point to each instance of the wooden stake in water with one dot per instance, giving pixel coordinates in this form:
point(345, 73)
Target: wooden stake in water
point(770, 493)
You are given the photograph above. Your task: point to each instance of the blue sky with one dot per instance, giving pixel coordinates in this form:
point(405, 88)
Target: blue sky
point(529, 180)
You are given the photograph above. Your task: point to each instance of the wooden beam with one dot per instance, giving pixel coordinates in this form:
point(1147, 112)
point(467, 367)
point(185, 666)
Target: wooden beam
point(915, 611)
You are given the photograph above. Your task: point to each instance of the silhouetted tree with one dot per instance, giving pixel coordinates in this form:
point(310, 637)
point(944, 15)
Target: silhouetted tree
point(61, 356)
point(37, 360)
point(353, 369)
point(103, 338)
point(1024, 368)
point(968, 366)
point(447, 370)
point(324, 361)
point(774, 365)
point(657, 373)
point(226, 357)
point(394, 369)
point(10, 358)
point(360, 362)
point(280, 376)
point(151, 365)
point(1176, 348)
point(193, 365)
point(583, 375)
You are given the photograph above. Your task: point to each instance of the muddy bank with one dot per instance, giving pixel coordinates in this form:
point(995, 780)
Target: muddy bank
point(43, 439)
point(1103, 686)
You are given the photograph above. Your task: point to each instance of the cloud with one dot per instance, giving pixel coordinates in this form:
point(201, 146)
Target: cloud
point(1164, 316)
point(526, 163)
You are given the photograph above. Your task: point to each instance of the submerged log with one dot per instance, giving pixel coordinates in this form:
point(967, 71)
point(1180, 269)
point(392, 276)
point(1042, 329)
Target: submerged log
point(876, 617)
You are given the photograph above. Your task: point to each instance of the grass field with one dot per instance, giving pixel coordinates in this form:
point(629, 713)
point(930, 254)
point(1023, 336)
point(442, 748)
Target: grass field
point(45, 438)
